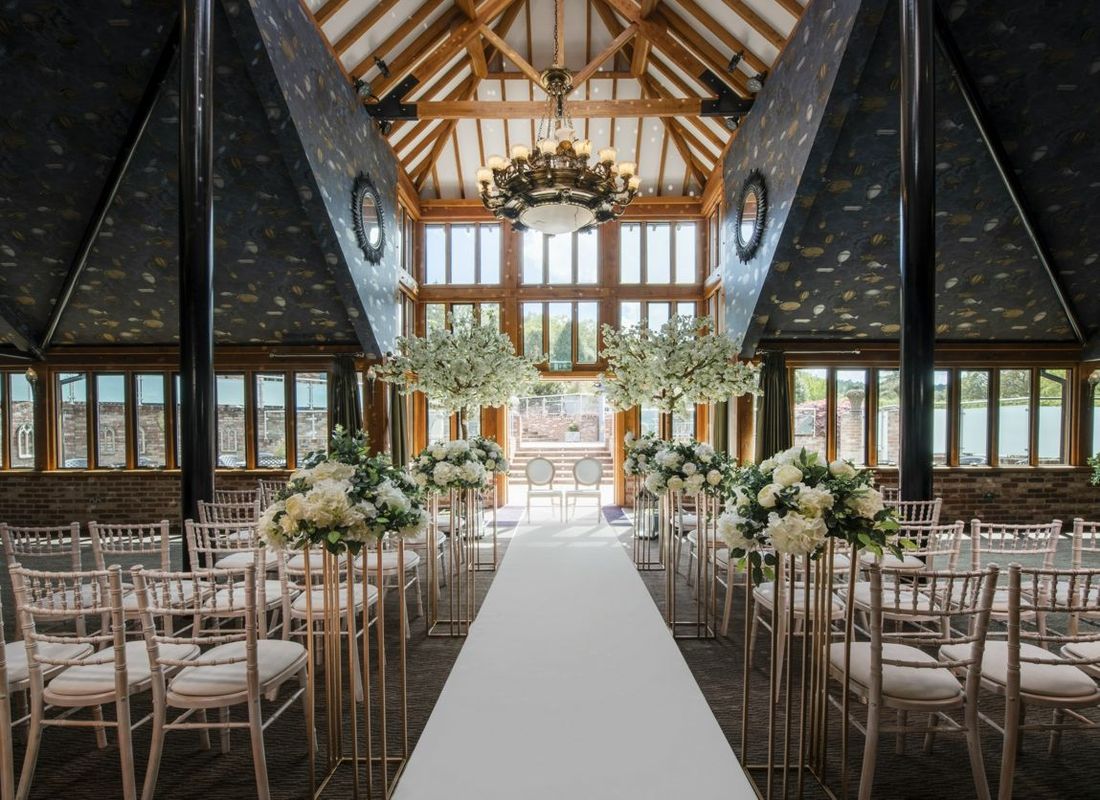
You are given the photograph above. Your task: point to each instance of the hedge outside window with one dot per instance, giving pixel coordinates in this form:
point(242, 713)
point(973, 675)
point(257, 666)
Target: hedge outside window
point(568, 333)
point(436, 315)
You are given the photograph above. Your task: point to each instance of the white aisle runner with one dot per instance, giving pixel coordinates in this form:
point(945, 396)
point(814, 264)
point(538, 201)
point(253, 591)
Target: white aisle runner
point(570, 687)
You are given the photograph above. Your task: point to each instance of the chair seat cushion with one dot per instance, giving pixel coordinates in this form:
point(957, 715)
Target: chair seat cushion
point(246, 558)
point(1089, 650)
point(1041, 680)
point(300, 607)
point(15, 654)
point(298, 563)
point(687, 522)
point(764, 594)
point(901, 682)
point(545, 492)
point(389, 560)
point(93, 679)
point(274, 657)
point(226, 600)
point(889, 561)
point(904, 600)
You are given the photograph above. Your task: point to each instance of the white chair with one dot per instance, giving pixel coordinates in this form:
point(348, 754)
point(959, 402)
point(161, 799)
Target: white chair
point(916, 512)
point(268, 490)
point(7, 767)
point(937, 547)
point(43, 546)
point(1086, 539)
point(1014, 543)
point(896, 671)
point(236, 496)
point(540, 483)
point(237, 667)
point(236, 513)
point(90, 679)
point(587, 475)
point(368, 560)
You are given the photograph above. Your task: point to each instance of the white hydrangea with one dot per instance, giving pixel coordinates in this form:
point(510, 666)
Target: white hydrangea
point(689, 469)
point(393, 498)
point(813, 501)
point(694, 484)
point(654, 483)
point(768, 465)
point(729, 528)
point(866, 501)
point(669, 459)
point(675, 483)
point(714, 477)
point(704, 452)
point(794, 534)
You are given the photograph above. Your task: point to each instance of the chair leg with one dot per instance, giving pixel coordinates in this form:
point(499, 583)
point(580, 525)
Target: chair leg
point(1056, 735)
point(100, 730)
point(259, 759)
point(974, 748)
point(870, 751)
point(223, 717)
point(156, 748)
point(903, 720)
point(930, 734)
point(204, 732)
point(30, 757)
point(1010, 747)
point(125, 748)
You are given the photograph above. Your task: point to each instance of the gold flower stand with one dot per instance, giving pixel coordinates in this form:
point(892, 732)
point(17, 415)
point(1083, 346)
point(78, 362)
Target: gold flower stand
point(699, 618)
point(451, 612)
point(358, 690)
point(481, 563)
point(648, 550)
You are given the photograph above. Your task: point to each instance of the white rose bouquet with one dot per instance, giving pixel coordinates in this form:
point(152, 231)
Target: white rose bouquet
point(455, 465)
point(490, 454)
point(793, 502)
point(343, 500)
point(690, 467)
point(639, 452)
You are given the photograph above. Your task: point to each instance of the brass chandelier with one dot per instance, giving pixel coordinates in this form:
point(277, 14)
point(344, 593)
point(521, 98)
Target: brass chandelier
point(553, 188)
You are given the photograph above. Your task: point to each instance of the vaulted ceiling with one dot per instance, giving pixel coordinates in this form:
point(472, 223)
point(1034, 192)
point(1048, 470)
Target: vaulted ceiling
point(647, 66)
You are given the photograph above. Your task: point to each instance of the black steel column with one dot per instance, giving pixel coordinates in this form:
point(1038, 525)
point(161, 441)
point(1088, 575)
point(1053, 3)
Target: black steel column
point(918, 247)
point(196, 224)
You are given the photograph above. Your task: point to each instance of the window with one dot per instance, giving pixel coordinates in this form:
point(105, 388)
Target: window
point(532, 330)
point(1053, 403)
point(657, 266)
point(149, 403)
point(810, 415)
point(561, 336)
point(686, 261)
point(657, 315)
point(439, 424)
point(973, 417)
point(229, 393)
point(435, 317)
point(630, 313)
point(888, 415)
point(310, 413)
point(462, 253)
point(683, 425)
point(406, 233)
point(659, 252)
point(685, 309)
point(567, 333)
point(110, 412)
point(270, 421)
point(630, 252)
point(714, 247)
point(489, 314)
point(72, 393)
point(21, 396)
point(1014, 417)
point(587, 332)
point(1095, 418)
point(462, 314)
point(851, 414)
point(650, 419)
point(568, 258)
point(940, 382)
point(439, 316)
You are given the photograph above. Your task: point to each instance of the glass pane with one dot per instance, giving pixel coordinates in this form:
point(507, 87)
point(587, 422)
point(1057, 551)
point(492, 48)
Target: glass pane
point(1053, 397)
point(683, 425)
point(230, 418)
point(150, 407)
point(587, 258)
point(630, 253)
point(439, 424)
point(310, 413)
point(110, 413)
point(473, 423)
point(271, 421)
point(851, 414)
point(809, 410)
point(561, 258)
point(490, 315)
point(1095, 420)
point(3, 422)
point(532, 330)
point(939, 417)
point(888, 414)
point(973, 417)
point(532, 257)
point(630, 313)
point(435, 254)
point(177, 387)
point(657, 314)
point(463, 254)
point(587, 329)
point(650, 420)
point(561, 336)
point(462, 313)
point(22, 421)
point(658, 253)
point(490, 254)
point(1014, 417)
point(686, 258)
point(72, 390)
point(435, 317)
point(685, 309)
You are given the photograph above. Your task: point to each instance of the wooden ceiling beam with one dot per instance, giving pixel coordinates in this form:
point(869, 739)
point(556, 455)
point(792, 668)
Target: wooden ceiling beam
point(356, 32)
point(704, 50)
point(401, 66)
point(329, 9)
point(641, 50)
point(473, 47)
point(673, 130)
point(345, 42)
point(512, 55)
point(516, 75)
point(756, 22)
point(659, 90)
point(617, 44)
point(728, 39)
point(792, 7)
point(528, 109)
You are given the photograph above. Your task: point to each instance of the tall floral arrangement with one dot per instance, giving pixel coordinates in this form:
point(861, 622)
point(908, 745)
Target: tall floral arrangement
point(343, 500)
point(490, 453)
point(794, 502)
point(445, 466)
point(638, 452)
point(682, 364)
point(460, 369)
point(690, 467)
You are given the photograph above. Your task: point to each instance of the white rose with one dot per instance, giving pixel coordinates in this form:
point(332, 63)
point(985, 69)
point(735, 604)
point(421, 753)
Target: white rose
point(768, 496)
point(791, 455)
point(729, 528)
point(675, 483)
point(438, 453)
point(392, 497)
point(694, 484)
point(367, 509)
point(714, 477)
point(490, 464)
point(787, 475)
point(689, 468)
point(795, 534)
point(740, 496)
point(768, 464)
point(841, 469)
point(704, 452)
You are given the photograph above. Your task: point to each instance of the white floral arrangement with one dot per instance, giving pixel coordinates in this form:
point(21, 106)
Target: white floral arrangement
point(689, 467)
point(793, 502)
point(490, 453)
point(683, 364)
point(344, 500)
point(445, 466)
point(638, 452)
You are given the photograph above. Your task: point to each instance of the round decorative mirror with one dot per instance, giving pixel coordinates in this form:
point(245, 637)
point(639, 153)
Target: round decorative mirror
point(752, 210)
point(366, 206)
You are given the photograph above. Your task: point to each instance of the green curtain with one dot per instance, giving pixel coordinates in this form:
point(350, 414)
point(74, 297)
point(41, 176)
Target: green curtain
point(721, 427)
point(773, 425)
point(344, 407)
point(399, 426)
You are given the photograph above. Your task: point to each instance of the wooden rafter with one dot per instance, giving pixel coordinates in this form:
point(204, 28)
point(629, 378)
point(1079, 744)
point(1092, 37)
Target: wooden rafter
point(641, 51)
point(344, 43)
point(356, 32)
point(473, 47)
point(756, 22)
point(526, 109)
point(460, 92)
point(792, 7)
point(401, 66)
point(728, 39)
point(511, 54)
point(660, 91)
point(703, 50)
point(617, 44)
point(329, 9)
point(674, 131)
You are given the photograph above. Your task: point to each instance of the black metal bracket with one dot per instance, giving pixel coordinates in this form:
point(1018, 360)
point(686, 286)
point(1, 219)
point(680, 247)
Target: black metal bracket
point(727, 104)
point(391, 108)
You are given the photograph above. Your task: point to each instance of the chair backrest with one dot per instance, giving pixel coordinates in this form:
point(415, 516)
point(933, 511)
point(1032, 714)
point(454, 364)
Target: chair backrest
point(115, 541)
point(929, 611)
point(164, 595)
point(890, 494)
point(30, 544)
point(916, 512)
point(208, 541)
point(587, 472)
point(245, 513)
point(540, 472)
point(995, 538)
point(7, 769)
point(1086, 539)
point(938, 545)
point(268, 490)
point(58, 597)
point(236, 496)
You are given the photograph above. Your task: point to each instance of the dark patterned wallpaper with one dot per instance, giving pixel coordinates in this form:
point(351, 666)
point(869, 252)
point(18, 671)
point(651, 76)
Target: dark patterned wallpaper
point(782, 135)
point(337, 139)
